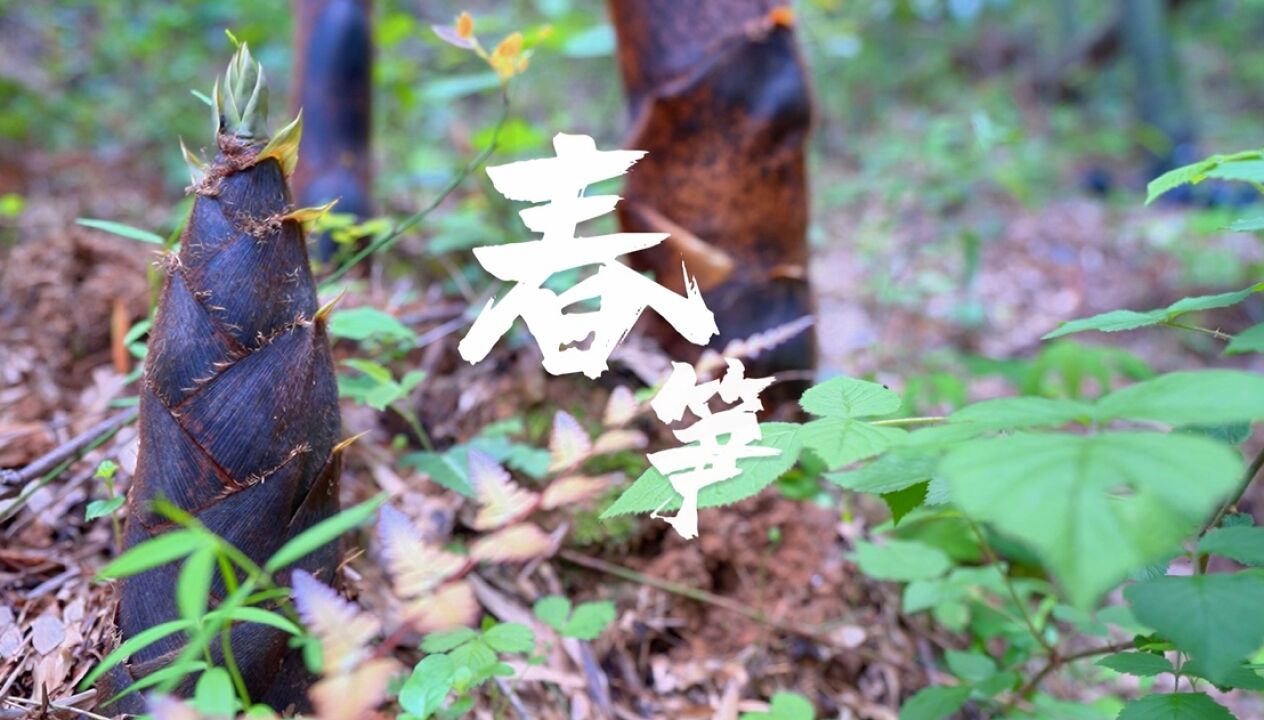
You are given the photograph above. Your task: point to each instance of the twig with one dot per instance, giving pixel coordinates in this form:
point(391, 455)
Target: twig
point(707, 598)
point(70, 449)
point(388, 240)
point(1057, 661)
point(1251, 471)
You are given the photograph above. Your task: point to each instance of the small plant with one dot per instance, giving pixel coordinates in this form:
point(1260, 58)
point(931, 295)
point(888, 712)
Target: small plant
point(458, 662)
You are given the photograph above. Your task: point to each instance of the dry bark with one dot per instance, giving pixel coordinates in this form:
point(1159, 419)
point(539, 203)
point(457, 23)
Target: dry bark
point(719, 97)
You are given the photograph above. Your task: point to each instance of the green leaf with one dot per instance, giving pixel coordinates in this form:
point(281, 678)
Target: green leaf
point(1241, 676)
point(972, 667)
point(213, 696)
point(1175, 706)
point(1141, 664)
point(260, 616)
point(1192, 397)
point(1094, 507)
point(785, 706)
point(652, 490)
point(444, 469)
point(510, 638)
point(101, 508)
point(1022, 412)
point(1250, 223)
point(425, 690)
point(589, 620)
point(842, 441)
point(1117, 320)
point(903, 502)
point(1244, 170)
point(122, 230)
point(362, 323)
point(447, 640)
point(902, 560)
point(553, 611)
point(893, 472)
point(934, 703)
point(193, 589)
point(844, 397)
point(1195, 173)
point(1250, 340)
point(1244, 544)
point(323, 533)
point(129, 647)
point(1215, 618)
point(150, 554)
point(374, 370)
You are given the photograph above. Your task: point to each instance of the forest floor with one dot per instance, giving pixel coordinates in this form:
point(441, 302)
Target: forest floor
point(781, 606)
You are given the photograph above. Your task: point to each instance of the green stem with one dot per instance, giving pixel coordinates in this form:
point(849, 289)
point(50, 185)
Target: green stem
point(924, 420)
point(991, 558)
point(1195, 328)
point(388, 240)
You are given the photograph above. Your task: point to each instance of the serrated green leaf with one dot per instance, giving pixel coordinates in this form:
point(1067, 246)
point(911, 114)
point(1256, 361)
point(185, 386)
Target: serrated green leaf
point(1195, 173)
point(652, 490)
point(1192, 397)
point(121, 230)
point(894, 471)
point(1244, 544)
point(589, 620)
point(1250, 340)
point(553, 611)
point(510, 638)
point(447, 640)
point(903, 502)
point(934, 703)
point(1094, 507)
point(1240, 677)
point(844, 397)
point(1244, 170)
point(1118, 320)
point(842, 441)
point(150, 554)
point(1022, 412)
point(423, 693)
point(1175, 706)
point(901, 560)
point(1215, 618)
point(1141, 664)
point(323, 533)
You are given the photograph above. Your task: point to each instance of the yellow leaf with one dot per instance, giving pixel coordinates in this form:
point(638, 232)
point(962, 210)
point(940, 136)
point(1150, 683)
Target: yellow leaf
point(452, 605)
point(516, 543)
point(501, 500)
point(353, 695)
point(574, 489)
point(343, 631)
point(284, 145)
point(621, 408)
point(415, 566)
point(569, 444)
